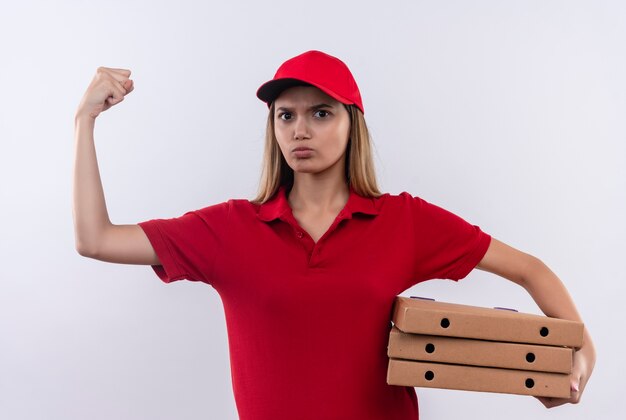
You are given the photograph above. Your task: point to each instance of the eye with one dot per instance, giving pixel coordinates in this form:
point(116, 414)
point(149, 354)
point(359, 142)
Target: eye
point(321, 113)
point(285, 116)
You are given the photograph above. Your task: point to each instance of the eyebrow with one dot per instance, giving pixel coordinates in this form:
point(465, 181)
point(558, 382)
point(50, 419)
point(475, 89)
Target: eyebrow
point(313, 108)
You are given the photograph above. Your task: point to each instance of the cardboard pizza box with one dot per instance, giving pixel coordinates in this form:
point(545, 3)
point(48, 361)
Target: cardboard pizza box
point(422, 316)
point(483, 379)
point(464, 351)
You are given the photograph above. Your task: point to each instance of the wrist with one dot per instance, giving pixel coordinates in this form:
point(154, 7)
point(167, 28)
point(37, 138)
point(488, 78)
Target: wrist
point(82, 118)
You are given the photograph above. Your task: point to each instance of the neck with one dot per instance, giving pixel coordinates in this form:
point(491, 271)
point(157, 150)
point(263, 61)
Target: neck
point(318, 192)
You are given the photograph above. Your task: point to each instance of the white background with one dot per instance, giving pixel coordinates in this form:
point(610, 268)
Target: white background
point(508, 113)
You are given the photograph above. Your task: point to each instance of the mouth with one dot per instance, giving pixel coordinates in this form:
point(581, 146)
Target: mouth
point(302, 152)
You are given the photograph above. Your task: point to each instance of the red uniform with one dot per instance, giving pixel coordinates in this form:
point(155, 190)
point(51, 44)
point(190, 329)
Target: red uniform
point(308, 323)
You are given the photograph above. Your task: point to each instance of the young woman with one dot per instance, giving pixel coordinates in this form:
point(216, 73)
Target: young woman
point(308, 271)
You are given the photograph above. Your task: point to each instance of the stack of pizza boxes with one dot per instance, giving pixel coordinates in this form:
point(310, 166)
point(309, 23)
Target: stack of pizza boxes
point(445, 345)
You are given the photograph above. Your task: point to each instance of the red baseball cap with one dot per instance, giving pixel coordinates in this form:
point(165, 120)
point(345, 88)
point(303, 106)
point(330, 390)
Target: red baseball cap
point(325, 72)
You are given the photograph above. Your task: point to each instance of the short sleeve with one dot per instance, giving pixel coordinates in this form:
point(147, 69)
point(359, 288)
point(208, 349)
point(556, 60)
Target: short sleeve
point(448, 247)
point(187, 246)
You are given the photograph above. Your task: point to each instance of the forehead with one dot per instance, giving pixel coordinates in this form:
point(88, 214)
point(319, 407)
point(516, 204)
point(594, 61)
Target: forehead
point(305, 96)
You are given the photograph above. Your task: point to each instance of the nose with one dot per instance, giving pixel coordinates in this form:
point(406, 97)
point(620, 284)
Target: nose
point(301, 129)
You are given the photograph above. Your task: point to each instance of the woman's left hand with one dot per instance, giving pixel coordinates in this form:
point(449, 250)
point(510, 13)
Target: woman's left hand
point(584, 361)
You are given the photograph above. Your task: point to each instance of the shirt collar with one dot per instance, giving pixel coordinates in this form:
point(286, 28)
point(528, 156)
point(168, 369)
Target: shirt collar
point(275, 207)
point(278, 206)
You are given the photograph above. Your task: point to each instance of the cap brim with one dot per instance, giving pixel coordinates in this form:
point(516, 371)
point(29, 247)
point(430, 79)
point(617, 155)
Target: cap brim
point(268, 92)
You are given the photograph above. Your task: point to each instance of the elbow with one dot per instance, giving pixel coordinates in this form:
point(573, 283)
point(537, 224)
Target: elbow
point(88, 242)
point(85, 249)
point(532, 269)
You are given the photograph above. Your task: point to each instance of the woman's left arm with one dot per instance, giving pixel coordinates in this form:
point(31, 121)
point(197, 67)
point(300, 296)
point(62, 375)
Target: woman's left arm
point(551, 296)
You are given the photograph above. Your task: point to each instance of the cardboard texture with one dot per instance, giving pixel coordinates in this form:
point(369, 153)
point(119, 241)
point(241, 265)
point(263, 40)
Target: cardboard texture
point(479, 353)
point(420, 316)
point(472, 378)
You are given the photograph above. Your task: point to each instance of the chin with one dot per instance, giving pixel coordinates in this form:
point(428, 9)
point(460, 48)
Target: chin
point(309, 166)
point(305, 166)
point(305, 169)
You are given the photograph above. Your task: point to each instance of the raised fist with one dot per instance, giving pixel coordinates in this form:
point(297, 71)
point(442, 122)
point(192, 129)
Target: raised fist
point(108, 88)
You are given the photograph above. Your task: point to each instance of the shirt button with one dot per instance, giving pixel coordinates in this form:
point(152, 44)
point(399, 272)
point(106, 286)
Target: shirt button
point(299, 234)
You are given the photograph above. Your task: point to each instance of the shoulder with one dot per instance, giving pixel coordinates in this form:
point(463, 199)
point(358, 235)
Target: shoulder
point(406, 204)
point(232, 208)
point(397, 202)
point(233, 203)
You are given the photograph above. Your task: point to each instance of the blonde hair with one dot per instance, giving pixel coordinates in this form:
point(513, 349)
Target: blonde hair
point(360, 172)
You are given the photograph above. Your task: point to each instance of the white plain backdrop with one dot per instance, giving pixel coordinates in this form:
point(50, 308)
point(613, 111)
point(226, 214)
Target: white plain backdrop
point(508, 113)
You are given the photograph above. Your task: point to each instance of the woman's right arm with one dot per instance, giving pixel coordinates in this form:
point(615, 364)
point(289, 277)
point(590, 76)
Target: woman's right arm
point(95, 235)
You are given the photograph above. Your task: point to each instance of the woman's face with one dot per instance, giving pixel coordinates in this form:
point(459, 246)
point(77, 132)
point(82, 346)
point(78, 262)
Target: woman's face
point(312, 130)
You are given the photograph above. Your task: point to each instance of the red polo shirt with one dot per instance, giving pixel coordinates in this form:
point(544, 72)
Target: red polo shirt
point(307, 322)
